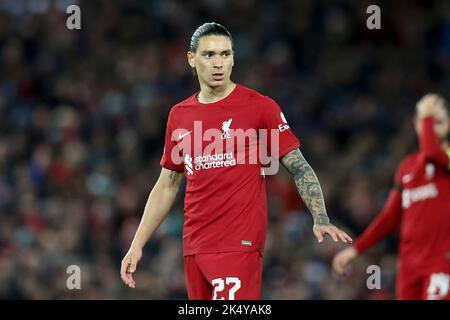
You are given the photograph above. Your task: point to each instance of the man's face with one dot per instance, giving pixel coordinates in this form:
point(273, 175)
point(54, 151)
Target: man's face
point(441, 123)
point(213, 60)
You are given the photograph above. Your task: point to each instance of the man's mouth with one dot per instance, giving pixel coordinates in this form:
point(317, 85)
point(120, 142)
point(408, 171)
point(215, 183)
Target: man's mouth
point(217, 76)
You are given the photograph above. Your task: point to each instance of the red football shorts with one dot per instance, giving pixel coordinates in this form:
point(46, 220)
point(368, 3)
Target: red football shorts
point(224, 276)
point(431, 284)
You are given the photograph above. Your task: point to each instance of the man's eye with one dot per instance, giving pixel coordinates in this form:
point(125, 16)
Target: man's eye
point(226, 54)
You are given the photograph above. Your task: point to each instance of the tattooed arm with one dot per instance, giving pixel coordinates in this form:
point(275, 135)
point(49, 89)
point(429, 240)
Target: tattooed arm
point(158, 205)
point(309, 189)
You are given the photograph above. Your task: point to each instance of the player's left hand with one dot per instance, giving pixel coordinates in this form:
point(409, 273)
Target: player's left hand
point(334, 232)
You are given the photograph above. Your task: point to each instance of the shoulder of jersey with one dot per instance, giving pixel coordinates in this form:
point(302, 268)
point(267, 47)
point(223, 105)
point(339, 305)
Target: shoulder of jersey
point(256, 96)
point(253, 93)
point(189, 101)
point(408, 160)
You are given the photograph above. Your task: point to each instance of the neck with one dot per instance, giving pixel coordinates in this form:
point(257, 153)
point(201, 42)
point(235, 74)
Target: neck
point(213, 94)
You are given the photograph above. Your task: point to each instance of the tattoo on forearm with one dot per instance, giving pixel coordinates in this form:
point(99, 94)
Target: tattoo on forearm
point(307, 184)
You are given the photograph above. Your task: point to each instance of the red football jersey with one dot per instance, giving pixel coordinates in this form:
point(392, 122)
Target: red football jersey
point(220, 147)
point(425, 221)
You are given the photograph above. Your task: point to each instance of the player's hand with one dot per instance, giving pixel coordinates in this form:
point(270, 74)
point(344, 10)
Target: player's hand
point(429, 105)
point(322, 229)
point(343, 259)
point(128, 266)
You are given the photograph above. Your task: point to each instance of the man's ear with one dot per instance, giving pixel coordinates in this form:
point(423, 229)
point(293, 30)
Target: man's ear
point(191, 59)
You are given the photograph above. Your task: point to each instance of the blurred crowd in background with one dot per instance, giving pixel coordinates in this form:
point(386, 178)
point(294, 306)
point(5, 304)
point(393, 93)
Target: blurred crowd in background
point(83, 116)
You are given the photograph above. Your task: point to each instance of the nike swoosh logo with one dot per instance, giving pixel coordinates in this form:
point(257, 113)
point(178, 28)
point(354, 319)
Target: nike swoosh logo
point(407, 178)
point(181, 136)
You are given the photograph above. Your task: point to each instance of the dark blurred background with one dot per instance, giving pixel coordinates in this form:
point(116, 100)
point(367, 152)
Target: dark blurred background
point(83, 115)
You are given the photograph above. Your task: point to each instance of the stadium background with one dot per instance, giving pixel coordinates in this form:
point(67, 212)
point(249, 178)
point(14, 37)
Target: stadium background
point(83, 114)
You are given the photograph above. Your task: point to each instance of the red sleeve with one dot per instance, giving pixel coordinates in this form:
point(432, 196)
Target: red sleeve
point(280, 138)
point(430, 146)
point(172, 157)
point(386, 220)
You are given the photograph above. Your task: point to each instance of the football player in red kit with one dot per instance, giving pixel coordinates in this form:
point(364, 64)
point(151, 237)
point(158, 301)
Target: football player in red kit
point(420, 204)
point(213, 138)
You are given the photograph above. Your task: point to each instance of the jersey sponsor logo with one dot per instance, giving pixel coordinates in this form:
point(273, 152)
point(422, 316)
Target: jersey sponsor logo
point(188, 164)
point(285, 126)
point(410, 196)
point(208, 162)
point(181, 136)
point(226, 129)
point(215, 161)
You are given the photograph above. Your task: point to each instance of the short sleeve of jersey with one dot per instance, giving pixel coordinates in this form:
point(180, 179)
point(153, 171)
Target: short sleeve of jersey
point(170, 147)
point(276, 123)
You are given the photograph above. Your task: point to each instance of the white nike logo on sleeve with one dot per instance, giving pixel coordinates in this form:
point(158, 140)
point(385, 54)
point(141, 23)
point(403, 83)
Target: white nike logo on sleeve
point(407, 178)
point(181, 136)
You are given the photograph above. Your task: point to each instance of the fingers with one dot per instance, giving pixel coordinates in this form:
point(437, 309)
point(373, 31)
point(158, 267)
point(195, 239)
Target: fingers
point(319, 235)
point(344, 237)
point(131, 267)
point(130, 271)
point(339, 265)
point(126, 272)
point(131, 282)
point(123, 271)
point(342, 260)
point(335, 233)
point(349, 239)
point(332, 231)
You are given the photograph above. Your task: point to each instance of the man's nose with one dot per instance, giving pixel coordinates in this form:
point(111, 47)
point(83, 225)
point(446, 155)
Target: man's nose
point(218, 63)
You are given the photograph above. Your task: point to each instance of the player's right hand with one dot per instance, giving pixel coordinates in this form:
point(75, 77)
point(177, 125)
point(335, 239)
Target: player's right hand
point(343, 259)
point(128, 266)
point(429, 105)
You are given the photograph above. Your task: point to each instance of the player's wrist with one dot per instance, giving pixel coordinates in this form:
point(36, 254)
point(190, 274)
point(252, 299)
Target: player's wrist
point(353, 252)
point(321, 220)
point(136, 245)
